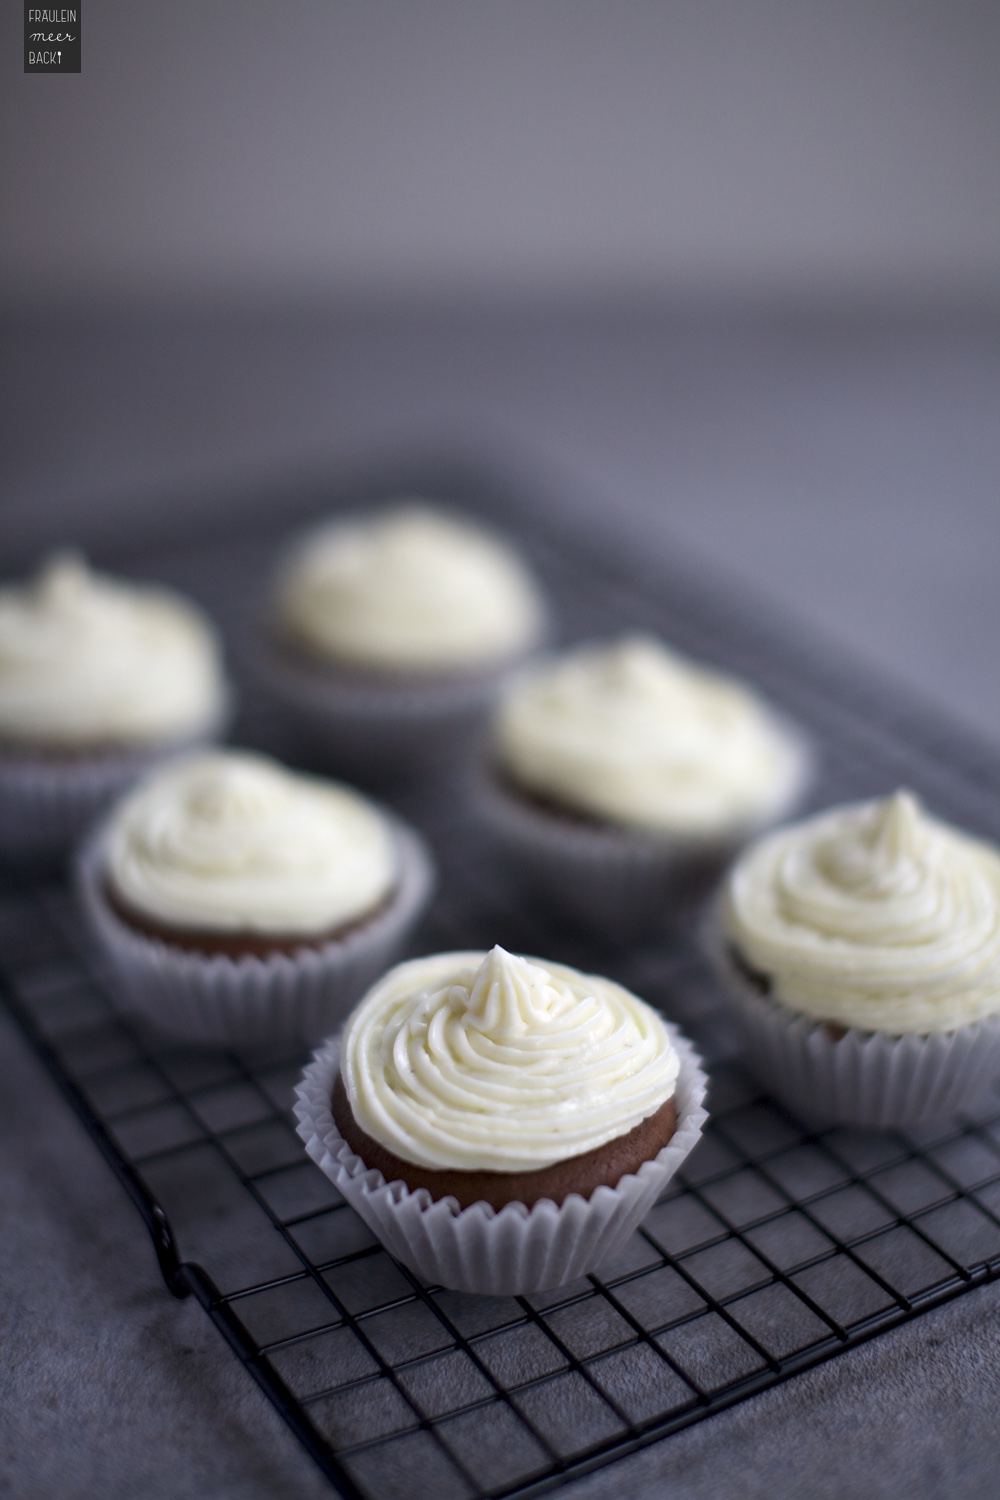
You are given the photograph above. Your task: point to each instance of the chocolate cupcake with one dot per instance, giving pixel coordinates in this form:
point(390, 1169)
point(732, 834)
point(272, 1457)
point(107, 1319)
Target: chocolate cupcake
point(860, 951)
point(621, 777)
point(391, 633)
point(603, 1166)
point(240, 903)
point(501, 1123)
point(99, 679)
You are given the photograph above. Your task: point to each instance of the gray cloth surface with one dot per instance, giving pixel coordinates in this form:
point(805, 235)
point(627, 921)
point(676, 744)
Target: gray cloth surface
point(111, 1387)
point(911, 1413)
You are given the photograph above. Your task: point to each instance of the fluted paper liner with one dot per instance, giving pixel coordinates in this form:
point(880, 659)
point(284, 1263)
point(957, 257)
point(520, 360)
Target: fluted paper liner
point(478, 1249)
point(48, 803)
point(284, 999)
point(853, 1077)
point(620, 880)
point(370, 729)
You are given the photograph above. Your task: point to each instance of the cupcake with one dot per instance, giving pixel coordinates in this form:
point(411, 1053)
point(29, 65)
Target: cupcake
point(240, 903)
point(390, 633)
point(99, 678)
point(860, 950)
point(502, 1124)
point(622, 775)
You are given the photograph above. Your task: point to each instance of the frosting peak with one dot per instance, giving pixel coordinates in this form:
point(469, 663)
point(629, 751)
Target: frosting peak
point(232, 792)
point(232, 842)
point(631, 732)
point(91, 660)
point(639, 668)
point(487, 1061)
point(510, 997)
point(411, 589)
point(879, 852)
point(63, 582)
point(873, 915)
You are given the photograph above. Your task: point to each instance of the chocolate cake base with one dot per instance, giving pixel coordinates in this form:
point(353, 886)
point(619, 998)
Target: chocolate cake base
point(604, 1166)
point(701, 851)
point(232, 944)
point(97, 752)
point(552, 807)
point(760, 981)
point(299, 656)
point(764, 985)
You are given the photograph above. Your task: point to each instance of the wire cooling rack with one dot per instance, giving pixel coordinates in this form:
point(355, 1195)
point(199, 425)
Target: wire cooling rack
point(776, 1248)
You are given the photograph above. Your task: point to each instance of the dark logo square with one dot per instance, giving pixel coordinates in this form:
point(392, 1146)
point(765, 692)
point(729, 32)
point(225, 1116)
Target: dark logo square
point(51, 37)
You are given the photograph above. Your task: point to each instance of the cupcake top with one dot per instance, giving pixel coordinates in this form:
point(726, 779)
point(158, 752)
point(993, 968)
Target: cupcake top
point(633, 734)
point(230, 842)
point(87, 660)
point(874, 915)
point(489, 1062)
point(409, 590)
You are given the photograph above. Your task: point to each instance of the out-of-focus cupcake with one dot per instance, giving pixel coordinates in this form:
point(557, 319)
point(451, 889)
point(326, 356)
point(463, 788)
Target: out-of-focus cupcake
point(501, 1123)
point(390, 634)
point(240, 903)
point(860, 950)
point(99, 678)
point(622, 775)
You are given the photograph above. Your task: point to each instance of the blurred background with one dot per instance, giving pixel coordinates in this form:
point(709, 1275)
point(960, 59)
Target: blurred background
point(717, 276)
point(717, 281)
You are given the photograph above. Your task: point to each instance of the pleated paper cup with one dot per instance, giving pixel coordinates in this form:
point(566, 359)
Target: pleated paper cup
point(283, 999)
point(376, 732)
point(617, 881)
point(837, 1076)
point(480, 1249)
point(47, 803)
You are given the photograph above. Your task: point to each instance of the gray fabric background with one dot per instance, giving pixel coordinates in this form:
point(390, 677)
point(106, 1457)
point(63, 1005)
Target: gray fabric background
point(344, 149)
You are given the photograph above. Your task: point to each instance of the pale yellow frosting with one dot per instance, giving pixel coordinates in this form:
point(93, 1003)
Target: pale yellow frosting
point(87, 660)
point(228, 842)
point(632, 733)
point(407, 590)
point(873, 915)
point(486, 1061)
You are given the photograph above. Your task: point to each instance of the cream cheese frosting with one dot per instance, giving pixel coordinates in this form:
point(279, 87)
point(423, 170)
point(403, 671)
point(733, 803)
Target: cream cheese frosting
point(228, 842)
point(874, 916)
point(632, 733)
point(87, 660)
point(407, 590)
point(491, 1062)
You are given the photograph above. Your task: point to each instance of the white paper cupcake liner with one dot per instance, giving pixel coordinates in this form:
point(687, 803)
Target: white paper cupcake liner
point(374, 732)
point(282, 1000)
point(478, 1249)
point(618, 881)
point(854, 1077)
point(47, 804)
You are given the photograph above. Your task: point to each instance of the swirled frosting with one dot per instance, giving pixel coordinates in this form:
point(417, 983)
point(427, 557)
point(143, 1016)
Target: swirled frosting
point(232, 842)
point(408, 590)
point(489, 1062)
point(874, 915)
point(86, 660)
point(632, 733)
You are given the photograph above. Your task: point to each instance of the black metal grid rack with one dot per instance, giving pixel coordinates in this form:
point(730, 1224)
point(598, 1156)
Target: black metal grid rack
point(776, 1248)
